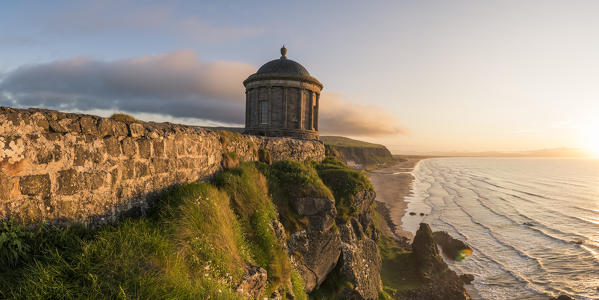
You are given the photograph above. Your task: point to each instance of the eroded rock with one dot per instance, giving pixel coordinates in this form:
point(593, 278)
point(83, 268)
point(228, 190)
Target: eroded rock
point(314, 254)
point(253, 282)
point(451, 247)
point(467, 278)
point(440, 282)
point(360, 264)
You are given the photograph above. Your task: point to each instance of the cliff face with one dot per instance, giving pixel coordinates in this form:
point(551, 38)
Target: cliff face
point(339, 251)
point(61, 168)
point(357, 154)
point(356, 273)
point(360, 262)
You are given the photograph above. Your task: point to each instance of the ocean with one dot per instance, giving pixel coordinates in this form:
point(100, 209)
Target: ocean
point(533, 223)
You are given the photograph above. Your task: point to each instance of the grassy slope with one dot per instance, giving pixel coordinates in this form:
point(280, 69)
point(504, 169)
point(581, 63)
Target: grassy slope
point(191, 247)
point(368, 155)
point(194, 243)
point(347, 142)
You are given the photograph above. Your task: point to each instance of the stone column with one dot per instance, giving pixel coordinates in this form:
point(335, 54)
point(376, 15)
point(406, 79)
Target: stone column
point(316, 111)
point(284, 108)
point(310, 103)
point(270, 106)
point(299, 108)
point(247, 110)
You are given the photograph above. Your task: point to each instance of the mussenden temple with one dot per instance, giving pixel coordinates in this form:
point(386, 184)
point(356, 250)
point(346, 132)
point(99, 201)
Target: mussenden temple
point(282, 100)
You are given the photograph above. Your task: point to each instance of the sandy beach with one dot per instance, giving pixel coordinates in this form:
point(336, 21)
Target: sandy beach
point(392, 185)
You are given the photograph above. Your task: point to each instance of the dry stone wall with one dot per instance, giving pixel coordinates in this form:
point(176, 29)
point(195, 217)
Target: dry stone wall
point(63, 168)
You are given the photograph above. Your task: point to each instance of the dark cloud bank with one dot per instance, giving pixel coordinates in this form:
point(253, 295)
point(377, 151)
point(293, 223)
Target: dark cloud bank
point(177, 84)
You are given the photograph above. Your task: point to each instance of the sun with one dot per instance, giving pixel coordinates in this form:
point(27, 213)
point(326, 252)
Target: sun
point(590, 140)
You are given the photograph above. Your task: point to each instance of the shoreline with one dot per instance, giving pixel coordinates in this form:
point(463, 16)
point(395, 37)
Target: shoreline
point(392, 185)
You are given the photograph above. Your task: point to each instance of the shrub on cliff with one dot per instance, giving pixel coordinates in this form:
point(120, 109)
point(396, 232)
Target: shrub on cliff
point(123, 117)
point(345, 183)
point(290, 180)
point(14, 244)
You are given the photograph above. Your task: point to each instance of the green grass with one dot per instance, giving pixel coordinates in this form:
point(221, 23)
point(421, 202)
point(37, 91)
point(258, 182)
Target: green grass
point(194, 243)
point(289, 180)
point(250, 200)
point(14, 243)
point(123, 117)
point(228, 136)
point(367, 155)
point(192, 247)
point(344, 183)
point(340, 141)
point(332, 287)
point(298, 286)
point(399, 271)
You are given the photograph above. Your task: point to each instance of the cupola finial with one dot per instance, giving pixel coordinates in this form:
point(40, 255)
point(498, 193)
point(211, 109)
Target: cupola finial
point(283, 52)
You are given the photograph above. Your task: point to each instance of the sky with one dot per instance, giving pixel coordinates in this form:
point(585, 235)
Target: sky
point(417, 76)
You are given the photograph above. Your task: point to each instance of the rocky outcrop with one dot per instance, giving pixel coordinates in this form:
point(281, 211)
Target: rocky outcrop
point(467, 278)
point(61, 167)
point(451, 247)
point(347, 249)
point(253, 282)
point(439, 281)
point(360, 262)
point(426, 254)
point(315, 250)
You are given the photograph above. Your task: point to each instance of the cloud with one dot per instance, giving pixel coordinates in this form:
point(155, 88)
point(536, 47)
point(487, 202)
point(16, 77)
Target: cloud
point(341, 117)
point(178, 85)
point(117, 16)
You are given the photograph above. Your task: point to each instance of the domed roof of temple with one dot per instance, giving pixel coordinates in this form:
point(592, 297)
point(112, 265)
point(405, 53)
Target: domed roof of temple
point(282, 68)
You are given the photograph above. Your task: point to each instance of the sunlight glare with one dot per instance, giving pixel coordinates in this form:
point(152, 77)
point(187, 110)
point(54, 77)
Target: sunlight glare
point(590, 139)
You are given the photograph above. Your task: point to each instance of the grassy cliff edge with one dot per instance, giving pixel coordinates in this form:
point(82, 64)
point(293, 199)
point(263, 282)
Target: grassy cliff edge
point(211, 240)
point(358, 154)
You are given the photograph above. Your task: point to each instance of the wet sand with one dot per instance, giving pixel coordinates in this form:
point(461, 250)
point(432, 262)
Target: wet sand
point(392, 185)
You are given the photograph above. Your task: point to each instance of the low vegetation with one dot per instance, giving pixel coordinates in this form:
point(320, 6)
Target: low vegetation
point(399, 273)
point(194, 243)
point(332, 287)
point(288, 180)
point(358, 154)
point(344, 183)
point(341, 141)
point(123, 117)
point(192, 247)
point(250, 200)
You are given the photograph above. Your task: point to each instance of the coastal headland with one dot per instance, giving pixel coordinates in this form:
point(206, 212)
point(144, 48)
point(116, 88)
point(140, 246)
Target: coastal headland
point(223, 216)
